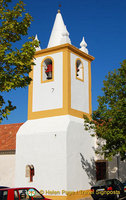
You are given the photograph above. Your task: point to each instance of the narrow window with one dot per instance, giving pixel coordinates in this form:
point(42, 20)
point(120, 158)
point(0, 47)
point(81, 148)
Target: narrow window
point(79, 70)
point(30, 172)
point(47, 70)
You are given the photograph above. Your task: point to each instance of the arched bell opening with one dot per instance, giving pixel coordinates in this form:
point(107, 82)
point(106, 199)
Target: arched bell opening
point(47, 70)
point(79, 70)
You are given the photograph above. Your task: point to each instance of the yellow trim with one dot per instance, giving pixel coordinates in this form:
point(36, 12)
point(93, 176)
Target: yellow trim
point(30, 93)
point(82, 70)
point(78, 113)
point(66, 49)
point(62, 47)
point(46, 113)
point(89, 89)
point(66, 81)
point(48, 57)
point(69, 83)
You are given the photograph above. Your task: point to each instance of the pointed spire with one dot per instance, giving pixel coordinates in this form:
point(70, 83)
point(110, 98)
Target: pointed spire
point(83, 46)
point(37, 48)
point(59, 33)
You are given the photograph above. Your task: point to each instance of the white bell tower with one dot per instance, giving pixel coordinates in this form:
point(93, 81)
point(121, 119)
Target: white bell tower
point(49, 144)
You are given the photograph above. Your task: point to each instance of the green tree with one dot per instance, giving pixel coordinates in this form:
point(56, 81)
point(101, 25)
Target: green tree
point(109, 120)
point(15, 64)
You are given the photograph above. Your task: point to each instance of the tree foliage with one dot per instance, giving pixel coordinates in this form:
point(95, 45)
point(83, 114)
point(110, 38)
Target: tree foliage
point(109, 120)
point(15, 64)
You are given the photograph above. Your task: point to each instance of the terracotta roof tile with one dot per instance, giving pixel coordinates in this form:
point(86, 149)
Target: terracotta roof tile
point(8, 136)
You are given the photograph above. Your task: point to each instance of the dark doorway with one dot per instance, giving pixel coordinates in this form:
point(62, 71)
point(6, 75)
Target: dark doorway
point(100, 170)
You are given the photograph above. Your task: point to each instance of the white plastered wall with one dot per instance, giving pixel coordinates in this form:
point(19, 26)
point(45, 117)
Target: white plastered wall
point(79, 89)
point(80, 156)
point(48, 95)
point(42, 143)
point(53, 145)
point(7, 170)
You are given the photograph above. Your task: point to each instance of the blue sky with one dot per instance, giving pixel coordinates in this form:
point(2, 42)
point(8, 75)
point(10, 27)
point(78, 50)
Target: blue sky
point(101, 22)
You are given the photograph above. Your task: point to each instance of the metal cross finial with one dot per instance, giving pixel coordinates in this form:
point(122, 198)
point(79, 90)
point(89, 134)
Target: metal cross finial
point(59, 7)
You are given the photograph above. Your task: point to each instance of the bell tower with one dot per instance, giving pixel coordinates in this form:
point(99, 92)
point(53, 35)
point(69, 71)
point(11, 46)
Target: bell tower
point(61, 77)
point(53, 137)
point(61, 83)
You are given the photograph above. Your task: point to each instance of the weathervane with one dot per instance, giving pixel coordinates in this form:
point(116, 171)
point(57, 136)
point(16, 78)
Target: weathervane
point(59, 8)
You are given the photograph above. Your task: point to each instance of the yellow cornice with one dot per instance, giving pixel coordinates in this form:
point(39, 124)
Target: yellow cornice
point(61, 48)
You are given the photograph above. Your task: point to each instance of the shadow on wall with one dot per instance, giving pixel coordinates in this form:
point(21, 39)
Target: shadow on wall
point(90, 169)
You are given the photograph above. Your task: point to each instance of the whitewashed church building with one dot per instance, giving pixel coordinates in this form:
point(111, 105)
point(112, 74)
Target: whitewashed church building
point(53, 151)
